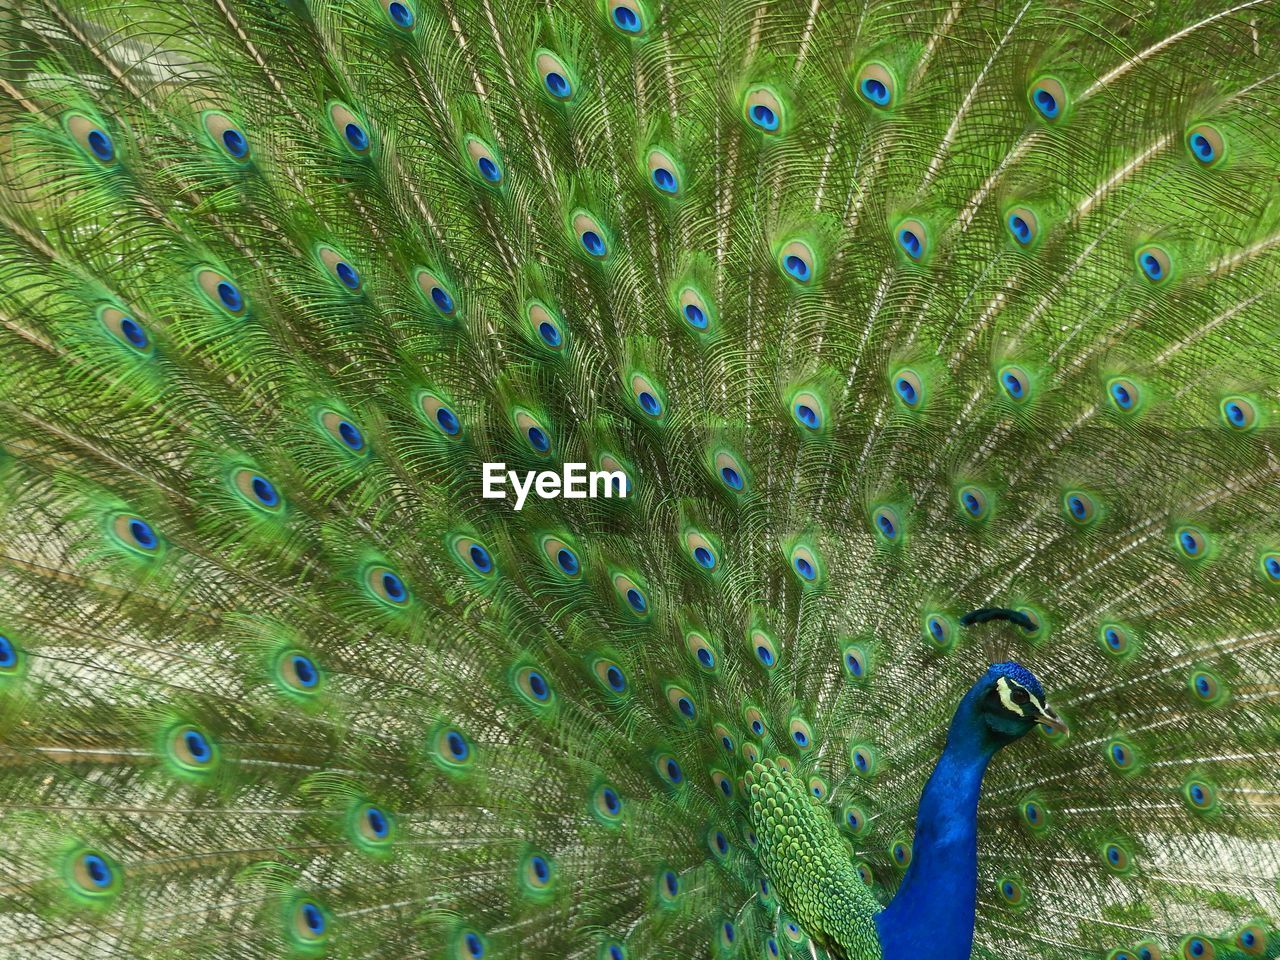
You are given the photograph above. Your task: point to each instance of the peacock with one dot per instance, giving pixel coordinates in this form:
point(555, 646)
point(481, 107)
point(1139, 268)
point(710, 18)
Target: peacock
point(882, 554)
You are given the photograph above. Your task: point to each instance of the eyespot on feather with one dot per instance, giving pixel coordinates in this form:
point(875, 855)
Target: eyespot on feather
point(473, 555)
point(1154, 264)
point(1048, 97)
point(702, 551)
point(628, 17)
point(257, 491)
point(547, 326)
point(339, 269)
point(912, 238)
point(558, 81)
point(436, 292)
point(191, 750)
point(533, 432)
point(695, 310)
point(877, 85)
point(484, 162)
point(592, 238)
point(702, 651)
point(135, 534)
point(1023, 226)
point(908, 388)
point(440, 415)
point(798, 263)
point(631, 595)
point(664, 172)
point(806, 565)
point(298, 673)
point(227, 136)
point(92, 138)
point(532, 684)
point(764, 647)
point(763, 110)
point(452, 749)
point(400, 13)
point(1014, 383)
point(1206, 145)
point(343, 432)
point(562, 557)
point(1125, 395)
point(221, 292)
point(126, 330)
point(606, 805)
point(350, 129)
point(610, 676)
point(974, 503)
point(647, 396)
point(1238, 413)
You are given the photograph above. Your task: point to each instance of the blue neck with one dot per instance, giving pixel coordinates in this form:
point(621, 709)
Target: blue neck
point(932, 914)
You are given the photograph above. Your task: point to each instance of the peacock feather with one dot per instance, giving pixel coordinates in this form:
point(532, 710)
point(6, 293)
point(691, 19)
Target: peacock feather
point(927, 353)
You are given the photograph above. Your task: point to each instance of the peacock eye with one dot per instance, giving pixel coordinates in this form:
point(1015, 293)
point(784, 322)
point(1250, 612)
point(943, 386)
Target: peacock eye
point(1021, 696)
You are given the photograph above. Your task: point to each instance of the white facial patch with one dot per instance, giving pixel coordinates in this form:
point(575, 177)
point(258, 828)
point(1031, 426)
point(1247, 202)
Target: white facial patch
point(1006, 697)
point(1005, 686)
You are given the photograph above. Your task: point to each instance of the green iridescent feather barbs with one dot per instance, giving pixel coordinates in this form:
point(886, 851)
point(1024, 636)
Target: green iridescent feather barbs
point(886, 314)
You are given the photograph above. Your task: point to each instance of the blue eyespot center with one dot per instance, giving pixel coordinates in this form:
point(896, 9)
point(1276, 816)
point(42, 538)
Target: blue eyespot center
point(134, 333)
point(1045, 102)
point(1151, 266)
point(807, 415)
point(766, 657)
point(801, 738)
point(764, 117)
point(705, 557)
point(347, 275)
point(440, 297)
point(875, 90)
point(907, 391)
point(557, 85)
point(1013, 385)
point(593, 243)
point(637, 601)
point(538, 686)
point(265, 491)
point(304, 670)
point(197, 746)
point(313, 917)
point(474, 946)
point(797, 267)
point(1020, 229)
point(674, 773)
point(8, 654)
point(549, 333)
point(100, 145)
point(706, 657)
point(489, 170)
point(457, 745)
point(142, 534)
point(695, 315)
point(567, 562)
point(538, 439)
point(349, 435)
point(664, 180)
point(617, 682)
point(400, 14)
point(377, 822)
point(1121, 395)
point(447, 420)
point(649, 403)
point(235, 143)
point(480, 558)
point(230, 295)
point(356, 136)
point(685, 706)
point(672, 883)
point(99, 872)
point(805, 568)
point(731, 477)
point(611, 801)
point(886, 526)
point(910, 243)
point(393, 587)
point(1202, 148)
point(626, 19)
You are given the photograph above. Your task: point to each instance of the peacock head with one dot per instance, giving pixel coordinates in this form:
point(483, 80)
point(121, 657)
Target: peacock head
point(1010, 701)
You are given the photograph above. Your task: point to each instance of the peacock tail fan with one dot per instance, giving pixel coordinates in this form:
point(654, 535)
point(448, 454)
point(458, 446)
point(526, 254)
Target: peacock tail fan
point(875, 314)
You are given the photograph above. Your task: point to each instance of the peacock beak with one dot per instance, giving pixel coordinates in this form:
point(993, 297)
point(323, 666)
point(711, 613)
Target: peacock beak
point(1051, 720)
